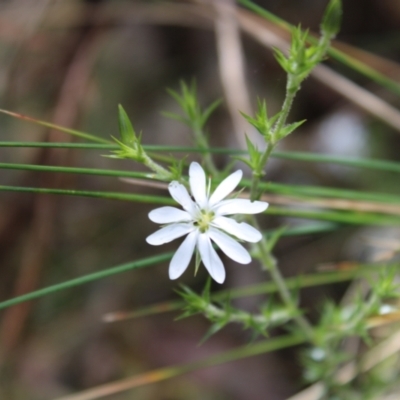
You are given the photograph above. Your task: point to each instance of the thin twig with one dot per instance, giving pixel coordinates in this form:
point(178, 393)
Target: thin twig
point(232, 71)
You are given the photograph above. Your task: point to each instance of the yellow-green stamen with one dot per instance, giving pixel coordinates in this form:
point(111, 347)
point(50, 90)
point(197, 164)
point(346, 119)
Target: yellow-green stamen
point(204, 220)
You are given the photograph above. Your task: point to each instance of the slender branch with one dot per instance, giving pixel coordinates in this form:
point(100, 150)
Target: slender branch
point(201, 141)
point(257, 174)
point(271, 266)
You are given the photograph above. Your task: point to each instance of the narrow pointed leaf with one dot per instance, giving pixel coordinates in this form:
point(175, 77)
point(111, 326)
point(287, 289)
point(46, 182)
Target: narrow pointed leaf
point(209, 110)
point(126, 130)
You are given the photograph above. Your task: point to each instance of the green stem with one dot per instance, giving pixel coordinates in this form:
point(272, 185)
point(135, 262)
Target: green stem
point(292, 87)
point(259, 172)
point(302, 193)
point(161, 173)
point(324, 43)
point(356, 218)
point(276, 317)
point(202, 143)
point(368, 309)
point(149, 199)
point(87, 278)
point(269, 262)
point(60, 128)
point(379, 165)
point(76, 170)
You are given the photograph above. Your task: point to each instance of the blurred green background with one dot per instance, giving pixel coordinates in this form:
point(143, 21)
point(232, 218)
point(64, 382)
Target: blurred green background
point(72, 62)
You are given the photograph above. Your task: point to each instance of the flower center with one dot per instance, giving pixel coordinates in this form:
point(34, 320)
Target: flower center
point(204, 219)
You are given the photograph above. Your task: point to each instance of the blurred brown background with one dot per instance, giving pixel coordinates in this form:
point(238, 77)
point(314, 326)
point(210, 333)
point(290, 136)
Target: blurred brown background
point(71, 62)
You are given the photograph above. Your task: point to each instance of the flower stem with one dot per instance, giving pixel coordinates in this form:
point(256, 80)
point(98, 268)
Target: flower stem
point(162, 173)
point(292, 88)
point(257, 174)
point(202, 143)
point(213, 312)
point(269, 262)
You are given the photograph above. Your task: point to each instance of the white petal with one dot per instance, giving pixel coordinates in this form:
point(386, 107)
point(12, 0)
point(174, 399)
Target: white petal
point(226, 187)
point(180, 194)
point(197, 180)
point(166, 215)
point(229, 246)
point(241, 230)
point(240, 206)
point(169, 233)
point(210, 258)
point(182, 256)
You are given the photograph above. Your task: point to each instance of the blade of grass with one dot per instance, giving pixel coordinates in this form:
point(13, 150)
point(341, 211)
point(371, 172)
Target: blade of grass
point(362, 218)
point(318, 191)
point(365, 70)
point(357, 218)
point(170, 372)
point(145, 262)
point(293, 190)
point(61, 145)
point(308, 229)
point(380, 165)
point(339, 204)
point(75, 170)
point(85, 193)
point(73, 132)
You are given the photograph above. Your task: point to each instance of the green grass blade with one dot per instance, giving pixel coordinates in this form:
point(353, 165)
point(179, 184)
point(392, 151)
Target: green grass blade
point(370, 164)
point(262, 12)
point(75, 170)
point(60, 128)
point(352, 218)
point(318, 191)
point(360, 218)
point(96, 194)
point(61, 145)
point(379, 165)
point(145, 262)
point(308, 229)
point(365, 70)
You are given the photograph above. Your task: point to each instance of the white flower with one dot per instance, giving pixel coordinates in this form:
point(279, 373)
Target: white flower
point(203, 220)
